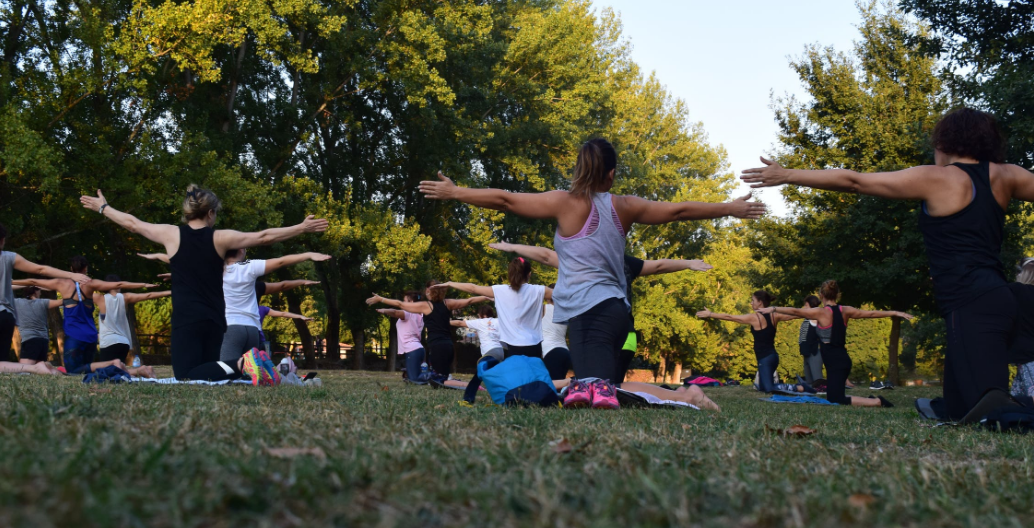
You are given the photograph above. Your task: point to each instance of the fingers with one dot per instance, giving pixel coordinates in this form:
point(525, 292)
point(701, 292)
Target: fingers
point(765, 161)
point(745, 197)
point(101, 196)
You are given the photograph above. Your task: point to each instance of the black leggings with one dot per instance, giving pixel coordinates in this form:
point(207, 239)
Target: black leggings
point(977, 356)
point(6, 334)
point(558, 362)
point(195, 352)
point(439, 357)
point(838, 368)
point(529, 351)
point(118, 351)
point(596, 338)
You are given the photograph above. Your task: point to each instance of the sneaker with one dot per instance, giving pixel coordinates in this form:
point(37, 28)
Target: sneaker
point(884, 403)
point(579, 394)
point(604, 395)
point(269, 373)
point(876, 385)
point(250, 367)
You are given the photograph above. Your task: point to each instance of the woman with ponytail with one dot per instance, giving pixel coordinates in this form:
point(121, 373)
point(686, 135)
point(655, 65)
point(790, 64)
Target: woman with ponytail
point(590, 244)
point(832, 321)
point(519, 307)
point(196, 251)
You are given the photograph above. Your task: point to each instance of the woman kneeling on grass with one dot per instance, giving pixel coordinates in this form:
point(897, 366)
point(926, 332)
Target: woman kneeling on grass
point(409, 326)
point(832, 328)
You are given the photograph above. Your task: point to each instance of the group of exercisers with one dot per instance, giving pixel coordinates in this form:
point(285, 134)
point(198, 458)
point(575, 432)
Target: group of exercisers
point(964, 196)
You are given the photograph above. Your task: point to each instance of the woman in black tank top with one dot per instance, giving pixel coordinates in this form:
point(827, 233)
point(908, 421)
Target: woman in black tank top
point(832, 328)
point(437, 312)
point(763, 327)
point(196, 252)
point(964, 195)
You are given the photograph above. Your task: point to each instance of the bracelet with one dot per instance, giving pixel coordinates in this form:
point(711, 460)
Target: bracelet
point(101, 210)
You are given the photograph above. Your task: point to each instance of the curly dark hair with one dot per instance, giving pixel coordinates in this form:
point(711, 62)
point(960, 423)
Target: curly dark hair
point(970, 133)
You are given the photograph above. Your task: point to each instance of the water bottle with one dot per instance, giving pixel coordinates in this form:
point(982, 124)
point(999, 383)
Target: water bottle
point(136, 361)
point(285, 367)
point(423, 371)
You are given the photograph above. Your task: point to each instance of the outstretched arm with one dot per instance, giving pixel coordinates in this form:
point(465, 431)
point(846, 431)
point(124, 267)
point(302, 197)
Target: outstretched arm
point(289, 315)
point(474, 289)
point(660, 267)
point(133, 298)
point(544, 256)
point(397, 314)
point(290, 260)
point(99, 285)
point(742, 319)
point(53, 303)
point(21, 264)
point(458, 322)
point(48, 284)
point(164, 234)
point(277, 287)
point(854, 313)
point(635, 210)
point(161, 257)
point(916, 183)
point(819, 313)
point(459, 304)
point(529, 205)
point(411, 307)
point(227, 239)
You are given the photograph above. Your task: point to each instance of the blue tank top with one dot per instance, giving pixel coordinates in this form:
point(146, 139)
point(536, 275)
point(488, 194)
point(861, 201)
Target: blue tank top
point(79, 323)
point(964, 249)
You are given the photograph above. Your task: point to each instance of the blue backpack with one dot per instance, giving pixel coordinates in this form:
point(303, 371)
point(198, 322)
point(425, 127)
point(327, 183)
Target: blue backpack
point(518, 380)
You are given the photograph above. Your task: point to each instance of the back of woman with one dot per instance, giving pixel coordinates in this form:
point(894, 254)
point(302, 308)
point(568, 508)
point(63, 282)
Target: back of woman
point(114, 328)
point(520, 320)
point(197, 279)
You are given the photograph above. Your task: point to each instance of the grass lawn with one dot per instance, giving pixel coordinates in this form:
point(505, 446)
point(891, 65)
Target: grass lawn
point(380, 453)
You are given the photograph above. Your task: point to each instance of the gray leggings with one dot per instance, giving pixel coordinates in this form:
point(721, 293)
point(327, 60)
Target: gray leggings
point(238, 340)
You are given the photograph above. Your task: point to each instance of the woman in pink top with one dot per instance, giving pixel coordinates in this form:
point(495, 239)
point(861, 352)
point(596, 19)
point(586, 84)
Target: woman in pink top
point(409, 326)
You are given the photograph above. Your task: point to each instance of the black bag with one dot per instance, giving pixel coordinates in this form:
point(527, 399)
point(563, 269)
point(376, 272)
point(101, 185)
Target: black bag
point(1015, 418)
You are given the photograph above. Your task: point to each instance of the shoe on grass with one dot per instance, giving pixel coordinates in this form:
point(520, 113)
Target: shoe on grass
point(578, 394)
point(604, 395)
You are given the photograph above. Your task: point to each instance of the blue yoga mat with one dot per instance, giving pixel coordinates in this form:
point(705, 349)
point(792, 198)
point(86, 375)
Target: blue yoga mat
point(779, 398)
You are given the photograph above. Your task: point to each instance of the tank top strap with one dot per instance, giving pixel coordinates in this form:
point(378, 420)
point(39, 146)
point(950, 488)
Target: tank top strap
point(78, 292)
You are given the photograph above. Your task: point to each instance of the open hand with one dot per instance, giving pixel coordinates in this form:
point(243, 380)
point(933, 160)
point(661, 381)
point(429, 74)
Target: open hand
point(741, 208)
point(501, 246)
point(311, 224)
point(318, 257)
point(374, 300)
point(443, 189)
point(906, 316)
point(80, 278)
point(699, 265)
point(770, 175)
point(165, 276)
point(766, 310)
point(310, 283)
point(704, 314)
point(93, 204)
point(149, 286)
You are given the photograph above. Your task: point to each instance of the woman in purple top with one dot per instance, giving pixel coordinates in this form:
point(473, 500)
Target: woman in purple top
point(409, 327)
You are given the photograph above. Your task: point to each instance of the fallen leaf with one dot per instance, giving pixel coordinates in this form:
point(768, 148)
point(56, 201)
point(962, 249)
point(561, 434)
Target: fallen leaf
point(861, 500)
point(686, 427)
point(384, 388)
point(292, 452)
point(561, 446)
point(796, 430)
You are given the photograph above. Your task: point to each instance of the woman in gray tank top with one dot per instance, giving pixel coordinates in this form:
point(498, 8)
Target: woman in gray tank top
point(590, 244)
point(33, 328)
point(114, 332)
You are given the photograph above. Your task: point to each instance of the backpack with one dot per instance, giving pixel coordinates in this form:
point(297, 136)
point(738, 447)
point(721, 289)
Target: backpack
point(1015, 418)
point(518, 380)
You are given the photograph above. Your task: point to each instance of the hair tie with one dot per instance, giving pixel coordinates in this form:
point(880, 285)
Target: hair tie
point(521, 259)
point(192, 194)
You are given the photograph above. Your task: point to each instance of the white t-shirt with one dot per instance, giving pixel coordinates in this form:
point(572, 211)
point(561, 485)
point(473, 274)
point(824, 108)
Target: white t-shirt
point(488, 333)
point(239, 292)
point(114, 327)
point(553, 335)
point(520, 313)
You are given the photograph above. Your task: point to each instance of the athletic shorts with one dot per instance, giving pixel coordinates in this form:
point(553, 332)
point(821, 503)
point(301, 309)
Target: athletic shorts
point(35, 349)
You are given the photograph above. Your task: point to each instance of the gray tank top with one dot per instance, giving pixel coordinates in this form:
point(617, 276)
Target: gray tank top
point(6, 290)
point(592, 264)
point(32, 318)
point(114, 329)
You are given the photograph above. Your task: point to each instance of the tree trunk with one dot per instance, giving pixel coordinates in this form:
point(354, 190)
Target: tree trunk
point(359, 348)
point(676, 374)
point(662, 370)
point(393, 348)
point(332, 331)
point(892, 351)
point(294, 305)
point(134, 341)
point(232, 95)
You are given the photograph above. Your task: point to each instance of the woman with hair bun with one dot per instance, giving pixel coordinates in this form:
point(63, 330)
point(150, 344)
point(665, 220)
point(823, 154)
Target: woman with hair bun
point(832, 329)
point(590, 244)
point(196, 251)
point(763, 327)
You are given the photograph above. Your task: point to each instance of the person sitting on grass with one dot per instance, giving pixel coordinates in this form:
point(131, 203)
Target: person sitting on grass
point(114, 332)
point(33, 327)
point(487, 328)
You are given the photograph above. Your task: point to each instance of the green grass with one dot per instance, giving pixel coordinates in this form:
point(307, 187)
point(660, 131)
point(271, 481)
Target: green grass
point(397, 455)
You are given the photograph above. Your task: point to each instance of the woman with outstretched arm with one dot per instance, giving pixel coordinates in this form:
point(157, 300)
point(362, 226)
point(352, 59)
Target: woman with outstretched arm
point(832, 321)
point(964, 196)
point(196, 252)
point(590, 244)
point(436, 313)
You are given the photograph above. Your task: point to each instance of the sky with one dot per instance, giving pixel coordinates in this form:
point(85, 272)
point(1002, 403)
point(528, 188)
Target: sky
point(727, 59)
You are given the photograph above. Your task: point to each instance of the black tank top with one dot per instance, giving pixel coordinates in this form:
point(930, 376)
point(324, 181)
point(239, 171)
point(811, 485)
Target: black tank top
point(197, 279)
point(964, 249)
point(1022, 349)
point(764, 339)
point(838, 331)
point(437, 323)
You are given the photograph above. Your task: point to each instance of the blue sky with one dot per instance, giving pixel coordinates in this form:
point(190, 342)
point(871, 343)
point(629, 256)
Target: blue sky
point(726, 59)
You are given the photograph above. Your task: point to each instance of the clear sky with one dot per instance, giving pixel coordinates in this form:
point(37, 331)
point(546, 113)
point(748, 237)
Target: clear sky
point(726, 59)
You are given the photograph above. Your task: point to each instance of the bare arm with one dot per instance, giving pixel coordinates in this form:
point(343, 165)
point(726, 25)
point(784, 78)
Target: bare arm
point(548, 295)
point(529, 205)
point(411, 307)
point(164, 234)
point(26, 266)
point(133, 298)
point(277, 287)
point(819, 313)
point(49, 284)
point(54, 303)
point(459, 304)
point(227, 239)
point(290, 260)
point(473, 289)
point(99, 285)
point(854, 313)
point(544, 256)
point(289, 315)
point(397, 314)
point(660, 267)
point(635, 210)
point(1021, 182)
point(458, 322)
point(742, 319)
point(161, 257)
point(916, 183)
